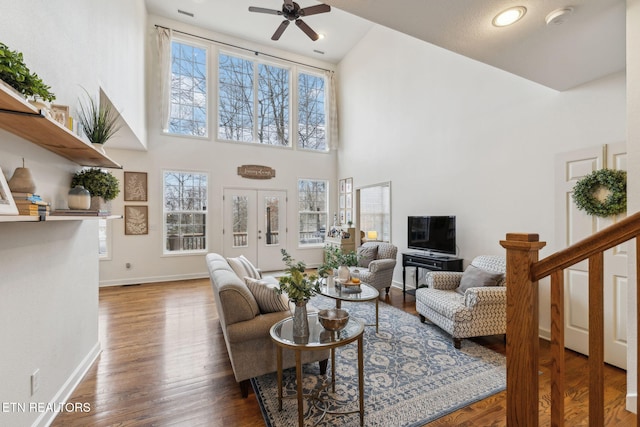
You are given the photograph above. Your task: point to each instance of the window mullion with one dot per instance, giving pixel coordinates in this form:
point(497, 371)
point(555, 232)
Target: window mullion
point(256, 96)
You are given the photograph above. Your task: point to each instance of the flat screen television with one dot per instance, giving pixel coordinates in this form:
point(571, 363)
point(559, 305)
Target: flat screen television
point(432, 233)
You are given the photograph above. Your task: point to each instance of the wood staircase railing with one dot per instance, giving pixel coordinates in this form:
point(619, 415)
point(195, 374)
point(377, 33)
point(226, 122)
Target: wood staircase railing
point(523, 272)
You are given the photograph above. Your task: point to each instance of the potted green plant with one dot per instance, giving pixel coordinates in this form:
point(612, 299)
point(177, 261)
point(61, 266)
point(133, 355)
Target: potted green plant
point(102, 186)
point(334, 258)
point(99, 121)
point(299, 287)
point(15, 73)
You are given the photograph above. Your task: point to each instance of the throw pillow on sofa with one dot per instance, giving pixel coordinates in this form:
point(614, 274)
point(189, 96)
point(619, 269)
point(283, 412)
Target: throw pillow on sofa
point(366, 254)
point(268, 299)
point(243, 267)
point(474, 277)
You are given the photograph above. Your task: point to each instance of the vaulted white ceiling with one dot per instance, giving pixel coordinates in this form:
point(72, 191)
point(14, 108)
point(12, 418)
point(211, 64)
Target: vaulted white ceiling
point(588, 45)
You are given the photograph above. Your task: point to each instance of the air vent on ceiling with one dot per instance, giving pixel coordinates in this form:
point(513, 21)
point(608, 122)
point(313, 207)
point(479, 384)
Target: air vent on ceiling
point(184, 12)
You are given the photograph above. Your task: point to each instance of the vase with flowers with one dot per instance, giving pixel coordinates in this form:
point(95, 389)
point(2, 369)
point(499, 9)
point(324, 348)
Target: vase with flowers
point(299, 287)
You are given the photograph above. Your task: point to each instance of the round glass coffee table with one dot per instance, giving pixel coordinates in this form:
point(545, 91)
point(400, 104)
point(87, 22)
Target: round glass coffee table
point(319, 338)
point(367, 293)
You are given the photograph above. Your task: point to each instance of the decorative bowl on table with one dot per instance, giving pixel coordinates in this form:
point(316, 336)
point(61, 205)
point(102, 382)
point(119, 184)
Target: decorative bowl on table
point(333, 319)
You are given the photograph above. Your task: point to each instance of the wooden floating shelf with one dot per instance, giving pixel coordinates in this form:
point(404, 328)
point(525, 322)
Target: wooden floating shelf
point(31, 218)
point(24, 120)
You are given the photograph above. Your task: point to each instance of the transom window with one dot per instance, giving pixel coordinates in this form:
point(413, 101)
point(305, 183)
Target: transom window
point(185, 211)
point(188, 111)
point(312, 211)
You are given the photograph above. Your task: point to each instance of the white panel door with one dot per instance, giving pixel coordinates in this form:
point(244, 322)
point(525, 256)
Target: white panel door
point(255, 226)
point(574, 225)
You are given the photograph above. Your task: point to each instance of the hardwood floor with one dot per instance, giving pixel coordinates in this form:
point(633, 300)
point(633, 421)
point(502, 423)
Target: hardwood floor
point(164, 362)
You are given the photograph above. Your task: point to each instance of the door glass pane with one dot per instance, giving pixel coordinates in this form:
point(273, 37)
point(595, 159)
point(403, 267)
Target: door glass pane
point(272, 226)
point(240, 229)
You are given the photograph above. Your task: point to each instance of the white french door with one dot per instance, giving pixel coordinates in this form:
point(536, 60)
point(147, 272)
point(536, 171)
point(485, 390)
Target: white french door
point(255, 225)
point(574, 225)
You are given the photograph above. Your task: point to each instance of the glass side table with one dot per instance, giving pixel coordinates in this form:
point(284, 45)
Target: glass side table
point(367, 293)
point(319, 338)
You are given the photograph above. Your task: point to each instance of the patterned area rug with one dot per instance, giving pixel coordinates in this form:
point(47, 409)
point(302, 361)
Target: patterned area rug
point(413, 375)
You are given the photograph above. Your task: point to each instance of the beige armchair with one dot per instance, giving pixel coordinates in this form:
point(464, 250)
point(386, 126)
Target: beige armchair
point(469, 304)
point(376, 262)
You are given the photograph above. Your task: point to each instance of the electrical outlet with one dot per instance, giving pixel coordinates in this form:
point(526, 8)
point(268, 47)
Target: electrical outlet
point(35, 381)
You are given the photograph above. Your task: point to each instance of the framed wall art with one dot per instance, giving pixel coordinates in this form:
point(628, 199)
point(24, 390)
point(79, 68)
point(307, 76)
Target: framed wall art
point(7, 204)
point(135, 186)
point(60, 113)
point(136, 220)
point(345, 200)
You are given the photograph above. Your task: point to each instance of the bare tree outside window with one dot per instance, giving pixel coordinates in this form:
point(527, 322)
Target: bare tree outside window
point(188, 112)
point(273, 105)
point(312, 211)
point(311, 112)
point(239, 80)
point(235, 94)
point(185, 211)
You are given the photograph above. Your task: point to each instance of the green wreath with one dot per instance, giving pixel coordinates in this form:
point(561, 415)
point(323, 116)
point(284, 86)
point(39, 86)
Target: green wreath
point(615, 181)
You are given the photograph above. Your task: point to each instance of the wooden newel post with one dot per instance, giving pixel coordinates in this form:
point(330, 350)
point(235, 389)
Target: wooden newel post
point(522, 330)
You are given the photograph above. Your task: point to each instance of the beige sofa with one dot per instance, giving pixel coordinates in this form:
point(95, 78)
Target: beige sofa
point(246, 330)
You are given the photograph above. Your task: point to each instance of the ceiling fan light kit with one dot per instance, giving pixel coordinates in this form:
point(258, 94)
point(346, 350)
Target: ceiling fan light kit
point(292, 12)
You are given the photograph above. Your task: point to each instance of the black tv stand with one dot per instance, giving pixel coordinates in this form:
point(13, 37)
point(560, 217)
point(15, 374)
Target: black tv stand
point(432, 262)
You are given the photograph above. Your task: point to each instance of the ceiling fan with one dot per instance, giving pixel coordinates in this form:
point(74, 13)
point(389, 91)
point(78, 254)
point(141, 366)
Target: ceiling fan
point(292, 12)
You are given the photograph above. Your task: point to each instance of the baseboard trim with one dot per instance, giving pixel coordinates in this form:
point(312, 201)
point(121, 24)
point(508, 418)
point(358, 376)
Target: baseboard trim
point(152, 279)
point(632, 402)
point(46, 418)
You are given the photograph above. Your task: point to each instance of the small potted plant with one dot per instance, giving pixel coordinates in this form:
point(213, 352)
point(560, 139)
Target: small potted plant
point(102, 186)
point(336, 260)
point(99, 121)
point(15, 73)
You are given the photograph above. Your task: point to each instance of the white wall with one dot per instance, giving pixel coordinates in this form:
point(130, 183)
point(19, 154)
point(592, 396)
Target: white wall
point(220, 160)
point(49, 271)
point(455, 136)
point(633, 186)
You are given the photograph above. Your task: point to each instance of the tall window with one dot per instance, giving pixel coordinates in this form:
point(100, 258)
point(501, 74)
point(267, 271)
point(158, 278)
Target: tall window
point(188, 113)
point(375, 210)
point(253, 101)
point(312, 211)
point(311, 112)
point(185, 211)
point(104, 239)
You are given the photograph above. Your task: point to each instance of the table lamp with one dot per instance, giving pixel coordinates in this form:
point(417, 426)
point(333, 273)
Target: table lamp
point(372, 235)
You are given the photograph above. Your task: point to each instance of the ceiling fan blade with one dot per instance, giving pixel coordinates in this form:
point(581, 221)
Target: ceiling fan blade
point(264, 10)
point(280, 30)
point(307, 30)
point(313, 10)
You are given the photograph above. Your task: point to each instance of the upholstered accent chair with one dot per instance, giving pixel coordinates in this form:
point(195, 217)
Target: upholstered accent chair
point(469, 304)
point(376, 261)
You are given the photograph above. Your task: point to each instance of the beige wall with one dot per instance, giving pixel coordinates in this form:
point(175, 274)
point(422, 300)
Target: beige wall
point(457, 137)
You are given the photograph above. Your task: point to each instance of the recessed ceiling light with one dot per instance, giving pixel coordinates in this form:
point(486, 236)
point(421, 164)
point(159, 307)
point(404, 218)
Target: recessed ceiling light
point(321, 36)
point(509, 16)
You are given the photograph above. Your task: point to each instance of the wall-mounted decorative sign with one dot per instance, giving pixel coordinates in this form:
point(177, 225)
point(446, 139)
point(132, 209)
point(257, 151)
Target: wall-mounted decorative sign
point(256, 172)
